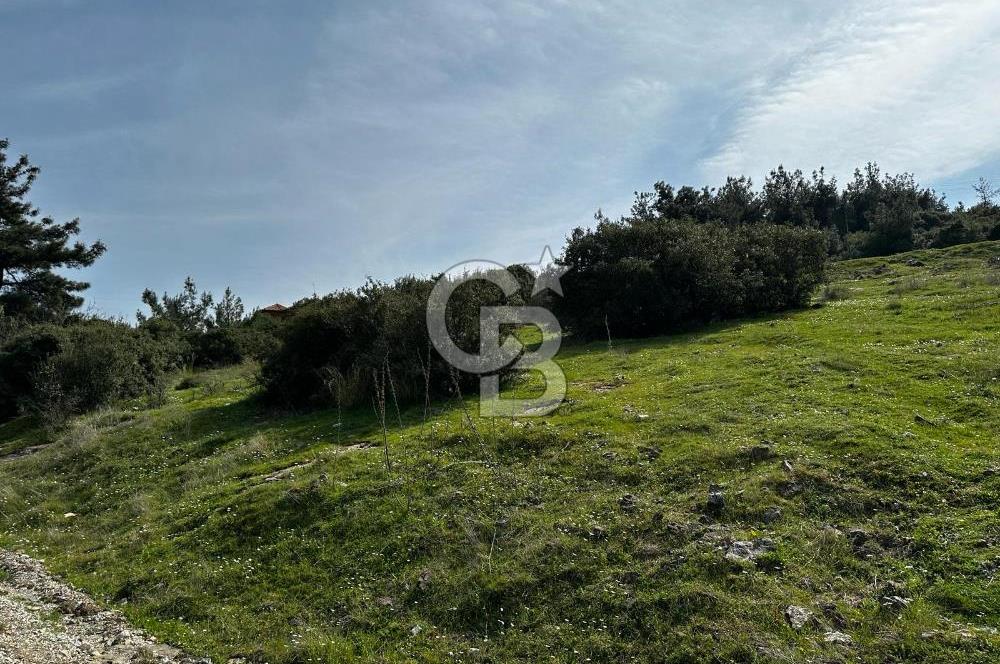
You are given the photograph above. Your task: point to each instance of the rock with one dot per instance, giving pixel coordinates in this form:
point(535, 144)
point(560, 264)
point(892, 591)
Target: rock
point(786, 466)
point(749, 550)
point(597, 533)
point(628, 503)
point(650, 453)
point(838, 638)
point(424, 580)
point(895, 602)
point(798, 616)
point(716, 499)
point(415, 630)
point(69, 515)
point(772, 514)
point(857, 536)
point(760, 453)
point(383, 601)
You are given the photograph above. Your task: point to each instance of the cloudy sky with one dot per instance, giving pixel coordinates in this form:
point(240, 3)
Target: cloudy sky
point(284, 148)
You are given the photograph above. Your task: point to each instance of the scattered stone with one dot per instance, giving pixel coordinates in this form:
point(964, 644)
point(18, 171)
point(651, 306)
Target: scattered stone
point(69, 515)
point(415, 630)
point(749, 550)
point(424, 580)
point(716, 499)
point(786, 466)
point(838, 638)
point(628, 503)
point(597, 533)
point(650, 453)
point(383, 601)
point(913, 262)
point(895, 602)
point(772, 514)
point(760, 453)
point(44, 621)
point(917, 417)
point(798, 616)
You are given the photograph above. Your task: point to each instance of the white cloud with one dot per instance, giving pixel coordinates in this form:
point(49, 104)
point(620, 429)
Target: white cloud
point(908, 84)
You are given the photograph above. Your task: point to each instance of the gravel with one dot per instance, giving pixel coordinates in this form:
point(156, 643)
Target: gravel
point(44, 621)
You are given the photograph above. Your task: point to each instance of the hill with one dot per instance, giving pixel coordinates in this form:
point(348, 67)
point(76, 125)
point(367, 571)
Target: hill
point(817, 486)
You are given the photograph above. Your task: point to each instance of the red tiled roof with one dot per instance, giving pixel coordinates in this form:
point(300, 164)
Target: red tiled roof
point(275, 307)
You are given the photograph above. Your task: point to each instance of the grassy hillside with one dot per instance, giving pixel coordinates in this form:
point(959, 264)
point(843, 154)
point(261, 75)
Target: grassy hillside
point(870, 500)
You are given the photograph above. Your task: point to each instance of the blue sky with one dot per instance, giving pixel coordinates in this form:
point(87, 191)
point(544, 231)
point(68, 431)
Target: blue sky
point(283, 148)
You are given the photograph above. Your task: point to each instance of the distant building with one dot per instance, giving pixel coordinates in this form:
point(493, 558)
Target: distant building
point(276, 311)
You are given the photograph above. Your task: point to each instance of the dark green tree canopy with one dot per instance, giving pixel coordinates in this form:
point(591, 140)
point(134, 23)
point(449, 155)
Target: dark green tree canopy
point(187, 311)
point(33, 247)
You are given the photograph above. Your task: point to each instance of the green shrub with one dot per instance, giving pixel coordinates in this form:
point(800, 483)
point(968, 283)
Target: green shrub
point(57, 371)
point(332, 347)
point(640, 277)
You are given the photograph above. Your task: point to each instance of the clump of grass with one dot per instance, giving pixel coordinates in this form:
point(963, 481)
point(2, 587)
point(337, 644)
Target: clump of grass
point(895, 305)
point(834, 292)
point(909, 284)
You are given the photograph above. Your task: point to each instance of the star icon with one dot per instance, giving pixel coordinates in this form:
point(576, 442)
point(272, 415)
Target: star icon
point(547, 272)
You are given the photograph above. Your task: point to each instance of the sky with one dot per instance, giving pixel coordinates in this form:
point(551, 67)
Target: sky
point(287, 148)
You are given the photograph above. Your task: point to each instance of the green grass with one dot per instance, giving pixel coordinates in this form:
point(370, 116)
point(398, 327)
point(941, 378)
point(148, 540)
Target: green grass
point(498, 541)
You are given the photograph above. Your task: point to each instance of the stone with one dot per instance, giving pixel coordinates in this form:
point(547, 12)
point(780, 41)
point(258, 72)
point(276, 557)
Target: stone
point(798, 616)
point(424, 580)
point(628, 503)
point(716, 499)
point(857, 536)
point(760, 453)
point(786, 466)
point(772, 514)
point(838, 638)
point(749, 550)
point(895, 602)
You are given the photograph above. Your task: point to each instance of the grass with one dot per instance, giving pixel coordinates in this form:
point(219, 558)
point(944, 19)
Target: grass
point(583, 535)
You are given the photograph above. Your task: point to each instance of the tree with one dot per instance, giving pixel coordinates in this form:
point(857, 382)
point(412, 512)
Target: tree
point(187, 310)
point(986, 192)
point(229, 310)
point(33, 247)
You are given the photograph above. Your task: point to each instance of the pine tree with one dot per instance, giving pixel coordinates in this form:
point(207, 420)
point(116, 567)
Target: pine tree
point(33, 247)
point(229, 310)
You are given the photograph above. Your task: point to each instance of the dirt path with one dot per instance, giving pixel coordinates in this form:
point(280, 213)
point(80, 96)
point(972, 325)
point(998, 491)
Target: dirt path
point(44, 621)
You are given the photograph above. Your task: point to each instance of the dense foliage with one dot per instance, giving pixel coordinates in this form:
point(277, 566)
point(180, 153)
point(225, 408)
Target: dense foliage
point(644, 275)
point(337, 349)
point(875, 214)
point(56, 371)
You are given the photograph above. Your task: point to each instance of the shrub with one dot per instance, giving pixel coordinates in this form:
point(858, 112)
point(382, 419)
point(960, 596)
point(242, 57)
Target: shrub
point(642, 277)
point(332, 347)
point(57, 371)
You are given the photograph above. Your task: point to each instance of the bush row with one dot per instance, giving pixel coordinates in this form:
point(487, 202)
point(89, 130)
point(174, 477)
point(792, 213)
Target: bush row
point(646, 276)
